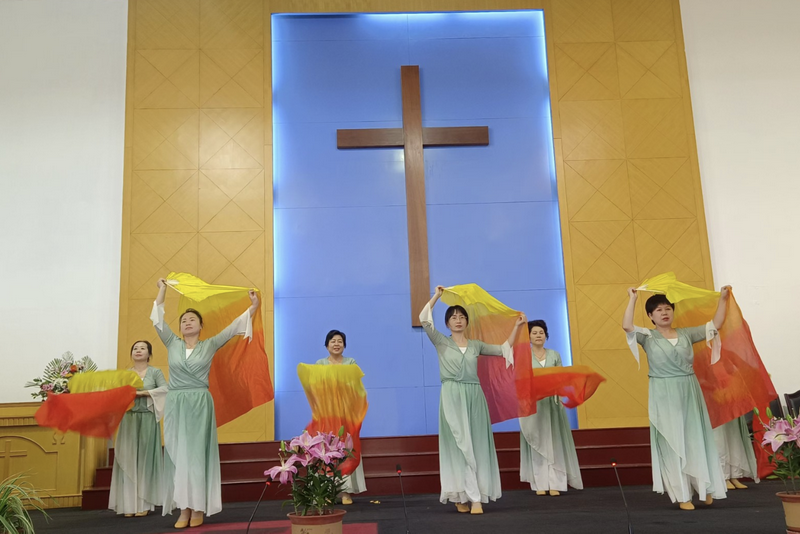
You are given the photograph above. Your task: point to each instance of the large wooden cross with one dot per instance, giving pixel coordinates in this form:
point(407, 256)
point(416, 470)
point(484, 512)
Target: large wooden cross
point(413, 137)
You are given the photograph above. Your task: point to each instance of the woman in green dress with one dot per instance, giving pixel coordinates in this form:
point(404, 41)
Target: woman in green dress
point(335, 342)
point(468, 469)
point(191, 454)
point(136, 478)
point(548, 460)
point(683, 451)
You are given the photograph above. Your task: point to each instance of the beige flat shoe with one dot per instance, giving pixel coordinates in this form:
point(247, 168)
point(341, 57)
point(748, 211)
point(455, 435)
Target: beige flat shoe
point(709, 500)
point(347, 499)
point(128, 515)
point(462, 507)
point(182, 523)
point(142, 514)
point(686, 506)
point(197, 519)
point(541, 493)
point(477, 508)
point(729, 485)
point(554, 493)
point(737, 484)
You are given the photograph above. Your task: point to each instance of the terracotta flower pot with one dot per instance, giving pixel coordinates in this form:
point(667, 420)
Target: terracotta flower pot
point(317, 524)
point(791, 508)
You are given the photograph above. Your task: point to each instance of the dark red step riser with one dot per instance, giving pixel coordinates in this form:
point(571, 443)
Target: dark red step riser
point(639, 454)
point(611, 436)
point(418, 456)
point(97, 498)
point(254, 469)
point(410, 444)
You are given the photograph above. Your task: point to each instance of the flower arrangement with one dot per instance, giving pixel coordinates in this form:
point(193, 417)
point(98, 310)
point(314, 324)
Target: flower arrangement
point(782, 435)
point(56, 375)
point(311, 465)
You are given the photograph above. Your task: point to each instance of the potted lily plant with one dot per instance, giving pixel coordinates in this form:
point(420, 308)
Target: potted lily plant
point(311, 464)
point(782, 435)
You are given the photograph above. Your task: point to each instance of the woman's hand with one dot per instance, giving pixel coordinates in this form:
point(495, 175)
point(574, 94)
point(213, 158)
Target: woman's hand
point(253, 302)
point(724, 293)
point(162, 291)
point(439, 291)
point(142, 393)
point(521, 320)
point(627, 317)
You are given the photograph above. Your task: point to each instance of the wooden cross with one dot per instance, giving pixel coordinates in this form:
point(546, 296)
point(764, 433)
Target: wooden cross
point(7, 454)
point(413, 137)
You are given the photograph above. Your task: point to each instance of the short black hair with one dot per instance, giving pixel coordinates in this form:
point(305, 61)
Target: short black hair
point(540, 323)
point(149, 347)
point(655, 301)
point(192, 310)
point(452, 310)
point(335, 333)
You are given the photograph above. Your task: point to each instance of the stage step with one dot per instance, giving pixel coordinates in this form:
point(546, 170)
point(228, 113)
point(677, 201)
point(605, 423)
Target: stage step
point(242, 464)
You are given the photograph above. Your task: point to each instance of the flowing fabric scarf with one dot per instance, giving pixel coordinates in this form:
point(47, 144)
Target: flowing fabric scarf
point(737, 383)
point(239, 379)
point(338, 399)
point(513, 392)
point(95, 405)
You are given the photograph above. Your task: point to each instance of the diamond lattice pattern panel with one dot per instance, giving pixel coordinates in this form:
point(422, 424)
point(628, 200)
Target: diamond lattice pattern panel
point(630, 191)
point(195, 173)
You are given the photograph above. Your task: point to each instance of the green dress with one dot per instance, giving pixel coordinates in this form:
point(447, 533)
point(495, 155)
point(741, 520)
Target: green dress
point(355, 482)
point(682, 448)
point(468, 469)
point(191, 452)
point(548, 460)
point(736, 455)
point(136, 478)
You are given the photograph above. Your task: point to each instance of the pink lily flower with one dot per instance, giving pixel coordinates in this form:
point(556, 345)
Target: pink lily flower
point(324, 453)
point(303, 460)
point(780, 432)
point(284, 472)
point(305, 441)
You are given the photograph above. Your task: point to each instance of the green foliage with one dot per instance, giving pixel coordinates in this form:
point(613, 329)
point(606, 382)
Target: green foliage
point(787, 465)
point(16, 496)
point(315, 491)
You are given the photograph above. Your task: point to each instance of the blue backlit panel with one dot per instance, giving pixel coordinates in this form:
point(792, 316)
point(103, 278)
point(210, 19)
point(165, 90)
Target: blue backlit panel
point(341, 244)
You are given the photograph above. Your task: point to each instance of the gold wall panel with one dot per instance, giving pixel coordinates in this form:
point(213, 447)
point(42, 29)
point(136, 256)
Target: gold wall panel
point(198, 164)
point(195, 196)
point(59, 466)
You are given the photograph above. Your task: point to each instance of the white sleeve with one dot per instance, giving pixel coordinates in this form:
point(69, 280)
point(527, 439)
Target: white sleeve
point(713, 340)
point(633, 342)
point(243, 325)
point(508, 354)
point(156, 400)
point(426, 315)
point(157, 315)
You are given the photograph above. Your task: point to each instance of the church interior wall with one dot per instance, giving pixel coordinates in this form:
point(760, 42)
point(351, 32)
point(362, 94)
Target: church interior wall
point(744, 74)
